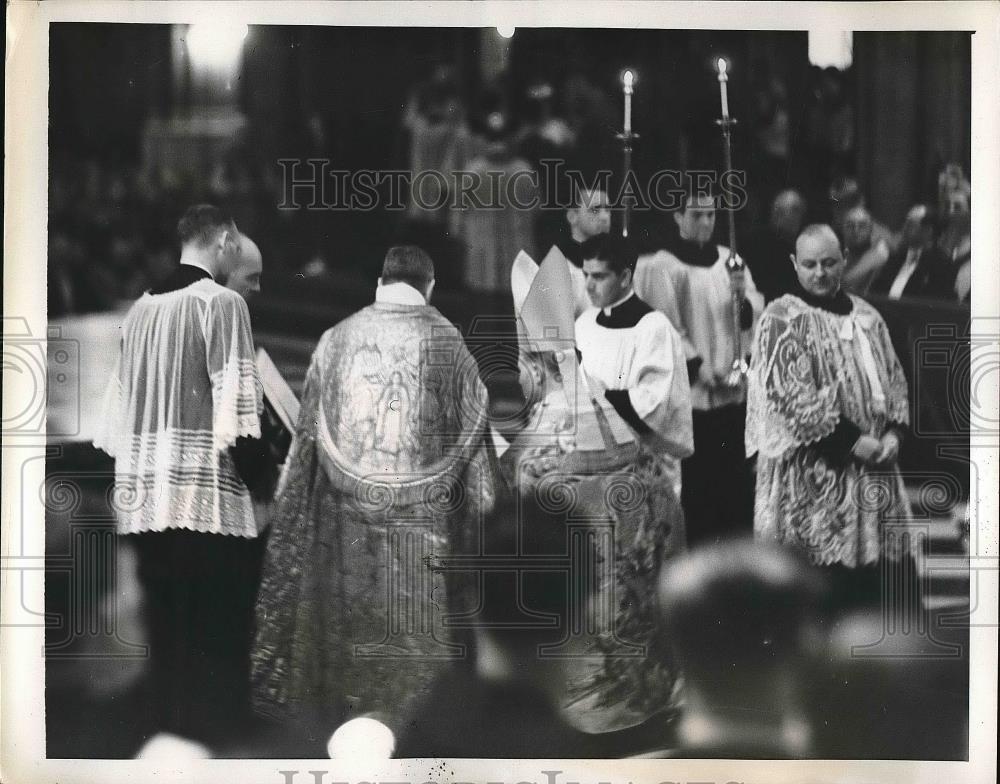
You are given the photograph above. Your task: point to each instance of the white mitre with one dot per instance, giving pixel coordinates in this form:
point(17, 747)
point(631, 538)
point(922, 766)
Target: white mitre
point(543, 302)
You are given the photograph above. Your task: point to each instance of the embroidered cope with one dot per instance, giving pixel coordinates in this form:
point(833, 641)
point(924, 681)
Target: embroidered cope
point(185, 387)
point(810, 369)
point(391, 469)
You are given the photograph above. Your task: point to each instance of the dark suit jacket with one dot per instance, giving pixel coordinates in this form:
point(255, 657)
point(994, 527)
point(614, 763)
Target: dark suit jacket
point(934, 276)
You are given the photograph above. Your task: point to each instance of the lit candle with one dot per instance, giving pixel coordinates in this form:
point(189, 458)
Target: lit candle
point(628, 78)
point(723, 88)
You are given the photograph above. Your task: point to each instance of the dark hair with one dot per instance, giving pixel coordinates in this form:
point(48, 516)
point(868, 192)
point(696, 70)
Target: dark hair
point(408, 264)
point(736, 608)
point(619, 252)
point(202, 224)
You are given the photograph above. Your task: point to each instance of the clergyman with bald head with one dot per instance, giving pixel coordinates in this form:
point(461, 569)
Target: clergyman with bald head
point(827, 407)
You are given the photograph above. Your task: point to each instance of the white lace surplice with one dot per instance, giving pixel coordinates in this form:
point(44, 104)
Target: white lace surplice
point(184, 389)
point(810, 368)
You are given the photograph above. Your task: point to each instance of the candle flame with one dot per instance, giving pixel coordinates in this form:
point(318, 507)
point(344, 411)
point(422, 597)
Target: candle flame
point(628, 78)
point(722, 66)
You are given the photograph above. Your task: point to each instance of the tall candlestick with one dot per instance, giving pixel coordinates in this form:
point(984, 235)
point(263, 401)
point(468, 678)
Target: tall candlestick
point(723, 88)
point(628, 78)
point(627, 137)
point(736, 378)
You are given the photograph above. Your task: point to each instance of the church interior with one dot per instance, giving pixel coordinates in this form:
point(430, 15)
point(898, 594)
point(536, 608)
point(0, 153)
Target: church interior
point(165, 116)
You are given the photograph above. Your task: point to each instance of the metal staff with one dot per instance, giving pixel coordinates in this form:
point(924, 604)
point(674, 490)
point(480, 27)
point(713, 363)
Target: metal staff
point(734, 264)
point(627, 137)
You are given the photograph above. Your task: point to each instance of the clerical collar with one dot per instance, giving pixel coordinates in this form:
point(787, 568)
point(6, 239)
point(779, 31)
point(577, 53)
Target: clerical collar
point(398, 293)
point(572, 250)
point(624, 314)
point(182, 277)
point(839, 303)
point(690, 252)
point(196, 265)
point(628, 295)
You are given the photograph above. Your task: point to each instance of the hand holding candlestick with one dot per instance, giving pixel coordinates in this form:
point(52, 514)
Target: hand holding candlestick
point(738, 370)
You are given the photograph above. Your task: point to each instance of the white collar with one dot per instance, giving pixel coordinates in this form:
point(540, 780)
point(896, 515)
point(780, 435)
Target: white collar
point(609, 308)
point(190, 263)
point(399, 293)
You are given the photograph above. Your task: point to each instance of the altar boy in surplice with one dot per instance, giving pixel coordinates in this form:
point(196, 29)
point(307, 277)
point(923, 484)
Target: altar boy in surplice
point(181, 412)
point(691, 273)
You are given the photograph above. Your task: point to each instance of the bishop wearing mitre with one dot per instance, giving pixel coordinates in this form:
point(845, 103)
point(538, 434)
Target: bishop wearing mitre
point(578, 450)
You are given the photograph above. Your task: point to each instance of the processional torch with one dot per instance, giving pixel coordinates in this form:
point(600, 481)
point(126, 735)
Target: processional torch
point(734, 264)
point(627, 137)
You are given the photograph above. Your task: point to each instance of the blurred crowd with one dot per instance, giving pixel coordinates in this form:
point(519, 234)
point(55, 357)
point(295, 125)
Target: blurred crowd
point(799, 170)
point(111, 221)
point(112, 225)
point(928, 257)
point(772, 669)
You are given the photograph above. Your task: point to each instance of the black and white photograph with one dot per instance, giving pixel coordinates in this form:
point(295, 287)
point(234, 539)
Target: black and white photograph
point(399, 385)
